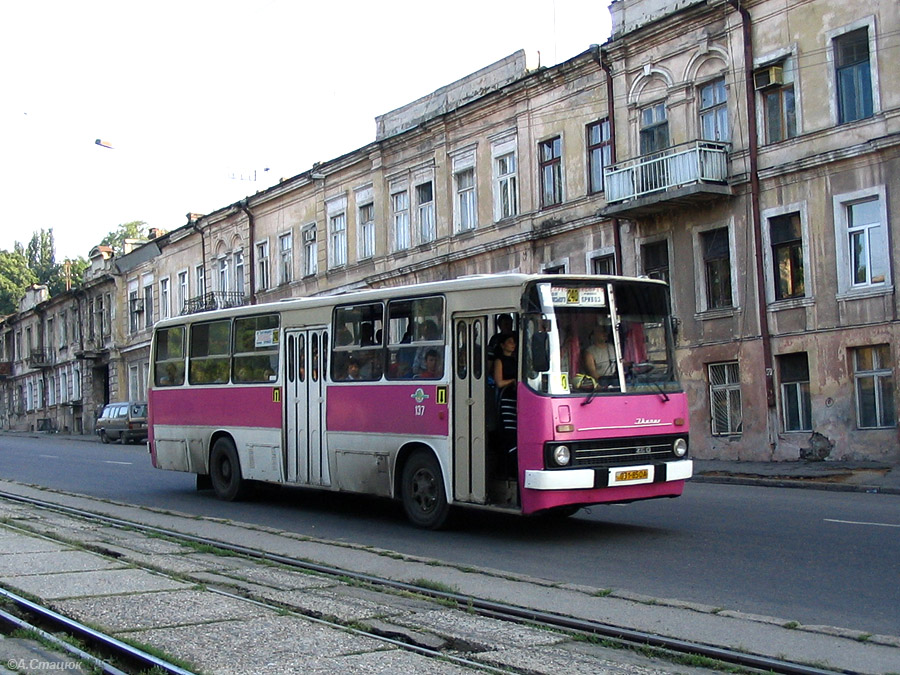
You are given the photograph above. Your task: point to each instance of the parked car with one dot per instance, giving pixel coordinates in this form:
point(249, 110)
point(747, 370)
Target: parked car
point(125, 421)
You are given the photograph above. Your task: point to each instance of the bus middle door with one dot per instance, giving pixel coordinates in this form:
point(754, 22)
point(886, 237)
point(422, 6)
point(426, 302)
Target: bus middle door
point(469, 387)
point(306, 458)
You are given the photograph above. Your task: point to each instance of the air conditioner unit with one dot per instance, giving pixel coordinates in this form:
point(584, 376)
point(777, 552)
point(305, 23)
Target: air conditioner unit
point(772, 76)
point(309, 235)
point(137, 305)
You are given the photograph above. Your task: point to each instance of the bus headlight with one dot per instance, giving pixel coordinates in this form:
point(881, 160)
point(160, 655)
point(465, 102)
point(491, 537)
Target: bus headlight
point(561, 455)
point(679, 447)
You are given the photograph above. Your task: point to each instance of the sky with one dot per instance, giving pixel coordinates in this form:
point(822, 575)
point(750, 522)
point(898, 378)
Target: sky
point(194, 94)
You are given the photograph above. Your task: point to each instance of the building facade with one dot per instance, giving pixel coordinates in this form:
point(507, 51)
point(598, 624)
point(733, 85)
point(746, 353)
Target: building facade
point(745, 152)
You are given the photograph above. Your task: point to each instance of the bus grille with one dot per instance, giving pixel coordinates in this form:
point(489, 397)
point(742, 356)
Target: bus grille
point(622, 451)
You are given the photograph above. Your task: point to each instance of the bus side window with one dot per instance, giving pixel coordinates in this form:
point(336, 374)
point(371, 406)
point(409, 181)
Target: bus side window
point(256, 348)
point(210, 355)
point(415, 329)
point(168, 362)
point(357, 350)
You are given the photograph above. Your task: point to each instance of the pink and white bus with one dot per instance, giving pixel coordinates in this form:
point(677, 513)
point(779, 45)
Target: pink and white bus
point(393, 392)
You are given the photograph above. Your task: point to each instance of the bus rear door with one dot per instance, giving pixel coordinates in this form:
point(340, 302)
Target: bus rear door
point(469, 387)
point(306, 459)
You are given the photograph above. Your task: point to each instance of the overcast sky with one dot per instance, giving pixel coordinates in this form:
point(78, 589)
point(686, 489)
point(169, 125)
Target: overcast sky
point(189, 92)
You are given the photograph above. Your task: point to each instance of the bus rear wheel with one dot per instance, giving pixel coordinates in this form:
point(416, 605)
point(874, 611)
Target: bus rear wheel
point(225, 471)
point(422, 491)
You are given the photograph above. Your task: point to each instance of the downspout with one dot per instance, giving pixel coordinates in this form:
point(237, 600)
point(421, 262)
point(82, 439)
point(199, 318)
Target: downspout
point(746, 25)
point(611, 115)
point(251, 236)
point(199, 231)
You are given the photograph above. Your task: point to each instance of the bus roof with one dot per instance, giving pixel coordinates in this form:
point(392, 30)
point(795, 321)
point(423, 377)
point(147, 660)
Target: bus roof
point(467, 283)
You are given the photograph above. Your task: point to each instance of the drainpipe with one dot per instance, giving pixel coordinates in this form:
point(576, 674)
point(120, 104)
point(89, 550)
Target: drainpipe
point(746, 24)
point(199, 231)
point(611, 115)
point(251, 236)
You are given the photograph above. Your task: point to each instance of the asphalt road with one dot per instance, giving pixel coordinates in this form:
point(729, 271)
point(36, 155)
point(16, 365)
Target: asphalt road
point(810, 556)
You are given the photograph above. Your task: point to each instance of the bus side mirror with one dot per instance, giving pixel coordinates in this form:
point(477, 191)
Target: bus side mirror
point(540, 352)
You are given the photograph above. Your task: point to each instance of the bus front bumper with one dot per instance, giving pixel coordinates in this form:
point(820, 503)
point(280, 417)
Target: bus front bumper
point(591, 479)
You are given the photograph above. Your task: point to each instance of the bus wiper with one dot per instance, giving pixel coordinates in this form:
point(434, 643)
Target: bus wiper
point(638, 370)
point(590, 397)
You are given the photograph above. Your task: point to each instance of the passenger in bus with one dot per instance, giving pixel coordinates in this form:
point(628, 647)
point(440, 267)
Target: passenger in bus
point(600, 356)
point(504, 327)
point(505, 378)
point(433, 369)
point(430, 332)
point(353, 369)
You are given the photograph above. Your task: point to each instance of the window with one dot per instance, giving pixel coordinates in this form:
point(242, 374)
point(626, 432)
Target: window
point(853, 76)
point(725, 399)
point(256, 349)
point(868, 262)
point(239, 272)
point(286, 258)
point(776, 85)
point(786, 237)
point(400, 210)
point(655, 257)
point(223, 274)
point(506, 191)
point(337, 225)
point(717, 267)
point(63, 386)
point(164, 310)
point(310, 251)
point(262, 265)
point(796, 407)
point(874, 379)
point(168, 361)
point(465, 200)
point(425, 212)
point(134, 310)
point(366, 231)
point(603, 264)
point(200, 276)
point(714, 111)
point(182, 291)
point(357, 352)
point(599, 149)
point(148, 306)
point(210, 352)
point(415, 339)
point(550, 165)
point(654, 135)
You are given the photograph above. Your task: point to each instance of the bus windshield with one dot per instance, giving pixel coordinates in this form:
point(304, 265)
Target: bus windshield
point(609, 338)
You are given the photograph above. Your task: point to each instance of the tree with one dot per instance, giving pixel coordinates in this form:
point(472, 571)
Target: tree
point(15, 277)
point(136, 229)
point(41, 255)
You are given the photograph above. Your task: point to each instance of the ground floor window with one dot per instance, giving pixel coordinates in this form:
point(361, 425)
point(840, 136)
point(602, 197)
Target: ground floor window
point(725, 398)
point(796, 407)
point(874, 384)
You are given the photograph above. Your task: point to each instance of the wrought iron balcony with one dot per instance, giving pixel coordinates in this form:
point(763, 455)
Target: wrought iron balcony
point(215, 300)
point(684, 173)
point(39, 358)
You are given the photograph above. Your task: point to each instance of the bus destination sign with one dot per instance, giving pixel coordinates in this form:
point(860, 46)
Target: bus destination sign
point(578, 297)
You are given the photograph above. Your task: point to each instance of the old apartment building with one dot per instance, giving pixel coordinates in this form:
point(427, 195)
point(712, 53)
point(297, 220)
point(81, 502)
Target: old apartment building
point(748, 153)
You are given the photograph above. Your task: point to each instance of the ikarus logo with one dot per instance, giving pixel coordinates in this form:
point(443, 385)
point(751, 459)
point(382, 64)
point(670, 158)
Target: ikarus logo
point(643, 420)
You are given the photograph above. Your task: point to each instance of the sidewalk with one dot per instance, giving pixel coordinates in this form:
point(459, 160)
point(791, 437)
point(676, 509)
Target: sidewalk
point(162, 594)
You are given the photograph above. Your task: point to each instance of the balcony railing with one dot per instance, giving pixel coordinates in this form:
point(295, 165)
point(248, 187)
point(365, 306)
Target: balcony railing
point(691, 163)
point(215, 300)
point(39, 358)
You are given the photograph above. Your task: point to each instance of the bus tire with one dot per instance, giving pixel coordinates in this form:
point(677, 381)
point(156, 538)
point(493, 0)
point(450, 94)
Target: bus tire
point(225, 471)
point(422, 491)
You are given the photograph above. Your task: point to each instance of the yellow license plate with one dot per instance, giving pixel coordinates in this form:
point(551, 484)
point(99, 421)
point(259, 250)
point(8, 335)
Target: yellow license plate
point(623, 476)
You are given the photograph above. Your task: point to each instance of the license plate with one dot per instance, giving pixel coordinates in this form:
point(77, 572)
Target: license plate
point(625, 476)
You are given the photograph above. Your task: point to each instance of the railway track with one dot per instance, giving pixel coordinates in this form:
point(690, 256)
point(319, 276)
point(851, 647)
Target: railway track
point(675, 649)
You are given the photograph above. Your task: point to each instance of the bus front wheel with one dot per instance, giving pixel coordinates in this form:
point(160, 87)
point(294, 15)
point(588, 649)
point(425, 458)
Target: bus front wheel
point(225, 471)
point(422, 491)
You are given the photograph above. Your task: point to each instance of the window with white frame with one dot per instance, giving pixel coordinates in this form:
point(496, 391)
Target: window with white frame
point(310, 251)
point(796, 405)
point(337, 226)
point(64, 386)
point(599, 150)
point(76, 384)
point(135, 307)
point(400, 218)
point(51, 392)
point(222, 277)
point(200, 280)
point(853, 75)
point(238, 257)
point(425, 212)
point(182, 290)
point(262, 265)
point(725, 399)
point(148, 303)
point(714, 111)
point(164, 310)
point(286, 258)
point(465, 206)
point(550, 171)
point(506, 178)
point(785, 234)
point(367, 231)
point(873, 376)
point(863, 252)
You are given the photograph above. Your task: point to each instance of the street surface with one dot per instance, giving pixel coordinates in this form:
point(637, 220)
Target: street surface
point(816, 557)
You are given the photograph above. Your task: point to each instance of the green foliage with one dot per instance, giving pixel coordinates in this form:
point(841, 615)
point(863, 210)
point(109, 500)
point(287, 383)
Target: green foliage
point(15, 277)
point(136, 229)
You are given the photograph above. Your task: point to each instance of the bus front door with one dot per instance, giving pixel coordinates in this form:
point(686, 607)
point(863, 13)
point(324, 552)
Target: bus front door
point(306, 458)
point(469, 423)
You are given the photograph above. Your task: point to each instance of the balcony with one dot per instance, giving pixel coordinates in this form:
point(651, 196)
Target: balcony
point(216, 300)
point(6, 369)
point(39, 358)
point(681, 175)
